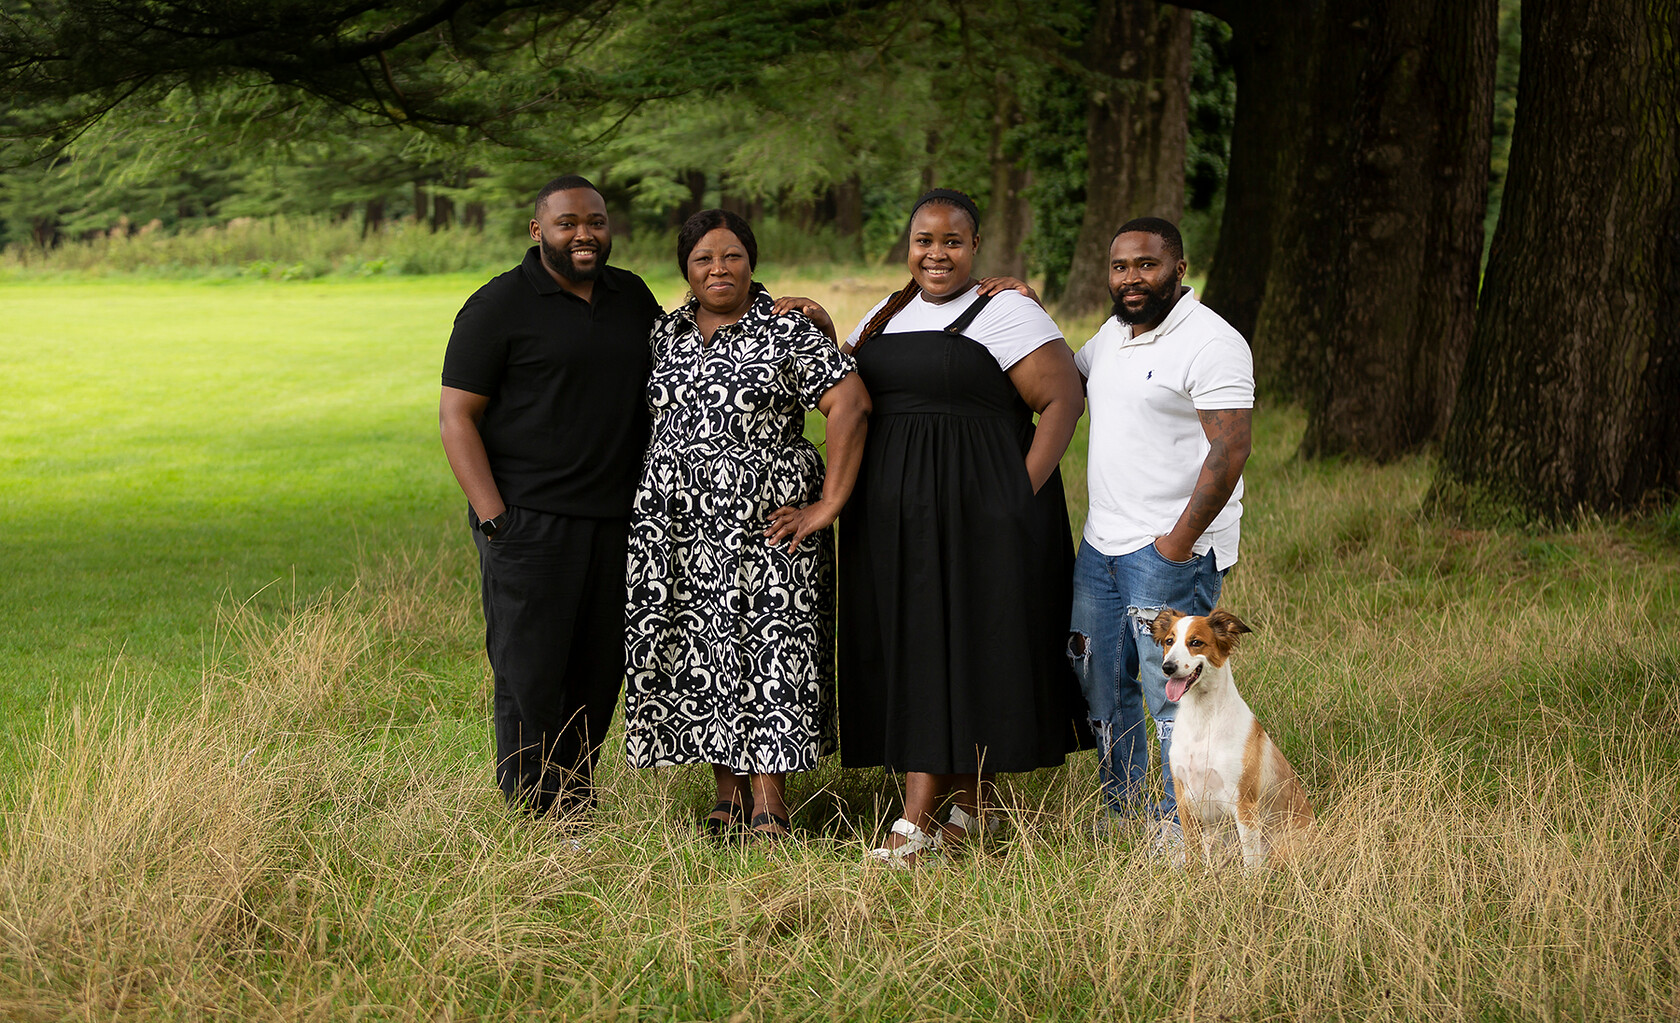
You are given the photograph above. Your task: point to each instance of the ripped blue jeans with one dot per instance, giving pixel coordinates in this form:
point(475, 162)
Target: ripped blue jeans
point(1115, 599)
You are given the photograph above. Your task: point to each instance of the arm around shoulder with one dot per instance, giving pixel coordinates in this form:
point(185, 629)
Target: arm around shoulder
point(811, 309)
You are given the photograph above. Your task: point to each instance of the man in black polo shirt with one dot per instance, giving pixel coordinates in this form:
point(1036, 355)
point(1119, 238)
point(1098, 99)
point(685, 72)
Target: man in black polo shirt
point(544, 419)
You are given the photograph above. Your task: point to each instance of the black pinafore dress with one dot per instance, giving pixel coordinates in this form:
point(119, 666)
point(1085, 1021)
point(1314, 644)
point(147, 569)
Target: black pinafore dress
point(955, 578)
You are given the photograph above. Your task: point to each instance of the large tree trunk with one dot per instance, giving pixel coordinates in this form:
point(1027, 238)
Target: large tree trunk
point(1356, 186)
point(1136, 130)
point(1008, 214)
point(1304, 289)
point(1569, 390)
point(1270, 109)
point(1416, 191)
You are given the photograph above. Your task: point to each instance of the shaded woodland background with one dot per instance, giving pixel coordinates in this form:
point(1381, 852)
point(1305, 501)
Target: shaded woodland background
point(1445, 225)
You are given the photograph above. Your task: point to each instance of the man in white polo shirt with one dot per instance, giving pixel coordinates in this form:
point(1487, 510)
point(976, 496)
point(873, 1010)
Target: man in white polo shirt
point(1170, 387)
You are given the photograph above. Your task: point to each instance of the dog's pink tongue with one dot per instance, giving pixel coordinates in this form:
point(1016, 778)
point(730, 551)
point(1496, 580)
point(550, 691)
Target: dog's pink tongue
point(1176, 688)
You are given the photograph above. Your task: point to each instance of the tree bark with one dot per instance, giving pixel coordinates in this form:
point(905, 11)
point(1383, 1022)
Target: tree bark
point(1411, 236)
point(1304, 289)
point(848, 212)
point(1569, 389)
point(1270, 110)
point(443, 212)
point(373, 217)
point(43, 231)
point(1370, 284)
point(696, 184)
point(1136, 131)
point(1008, 215)
point(750, 210)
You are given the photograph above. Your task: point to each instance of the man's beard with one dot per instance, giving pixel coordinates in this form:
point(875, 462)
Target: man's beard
point(561, 261)
point(1153, 309)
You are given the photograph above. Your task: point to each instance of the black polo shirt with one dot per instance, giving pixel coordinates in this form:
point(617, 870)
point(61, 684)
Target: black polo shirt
point(567, 422)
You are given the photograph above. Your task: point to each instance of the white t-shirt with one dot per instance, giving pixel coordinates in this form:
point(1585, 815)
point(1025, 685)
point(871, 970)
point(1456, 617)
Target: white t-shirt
point(1147, 444)
point(1012, 326)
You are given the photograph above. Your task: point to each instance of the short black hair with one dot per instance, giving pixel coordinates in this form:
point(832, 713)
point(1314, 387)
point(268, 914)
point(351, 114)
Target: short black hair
point(1165, 230)
point(706, 221)
point(563, 183)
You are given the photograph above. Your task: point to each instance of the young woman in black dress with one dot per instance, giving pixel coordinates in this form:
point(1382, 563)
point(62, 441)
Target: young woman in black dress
point(956, 556)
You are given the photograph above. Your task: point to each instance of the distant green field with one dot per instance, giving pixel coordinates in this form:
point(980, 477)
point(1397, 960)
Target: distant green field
point(170, 445)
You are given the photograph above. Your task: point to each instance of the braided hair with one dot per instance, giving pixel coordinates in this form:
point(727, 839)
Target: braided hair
point(895, 305)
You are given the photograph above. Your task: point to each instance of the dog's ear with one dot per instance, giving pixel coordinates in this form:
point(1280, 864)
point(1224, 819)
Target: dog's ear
point(1162, 627)
point(1227, 627)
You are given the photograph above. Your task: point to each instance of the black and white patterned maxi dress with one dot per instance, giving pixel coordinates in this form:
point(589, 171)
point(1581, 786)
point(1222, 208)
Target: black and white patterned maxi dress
point(730, 642)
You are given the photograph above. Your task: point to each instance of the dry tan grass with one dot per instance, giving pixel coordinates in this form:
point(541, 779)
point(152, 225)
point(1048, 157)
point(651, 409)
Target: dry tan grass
point(1487, 724)
point(269, 855)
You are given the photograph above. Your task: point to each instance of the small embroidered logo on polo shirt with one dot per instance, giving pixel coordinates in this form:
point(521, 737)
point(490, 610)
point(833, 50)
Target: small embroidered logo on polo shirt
point(1149, 375)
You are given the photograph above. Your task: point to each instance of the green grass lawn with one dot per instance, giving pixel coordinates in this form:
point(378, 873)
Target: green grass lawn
point(175, 445)
point(234, 490)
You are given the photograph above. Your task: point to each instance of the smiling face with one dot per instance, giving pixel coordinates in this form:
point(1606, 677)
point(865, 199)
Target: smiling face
point(943, 244)
point(720, 273)
point(1143, 279)
point(573, 234)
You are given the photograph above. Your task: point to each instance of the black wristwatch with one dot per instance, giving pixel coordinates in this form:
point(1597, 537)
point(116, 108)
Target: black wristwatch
point(490, 527)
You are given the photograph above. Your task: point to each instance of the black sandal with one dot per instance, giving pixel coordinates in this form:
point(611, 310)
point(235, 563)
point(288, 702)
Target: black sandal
point(770, 836)
point(719, 828)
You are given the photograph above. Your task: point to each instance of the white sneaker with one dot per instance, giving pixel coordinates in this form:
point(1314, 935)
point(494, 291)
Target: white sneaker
point(1167, 840)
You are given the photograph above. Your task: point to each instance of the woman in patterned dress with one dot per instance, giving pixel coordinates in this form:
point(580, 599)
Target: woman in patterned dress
point(730, 637)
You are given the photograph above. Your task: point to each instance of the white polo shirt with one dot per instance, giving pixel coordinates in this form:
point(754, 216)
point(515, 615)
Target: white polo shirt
point(1147, 443)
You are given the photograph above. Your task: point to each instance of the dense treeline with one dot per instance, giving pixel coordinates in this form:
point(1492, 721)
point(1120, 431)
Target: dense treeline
point(828, 139)
point(1339, 167)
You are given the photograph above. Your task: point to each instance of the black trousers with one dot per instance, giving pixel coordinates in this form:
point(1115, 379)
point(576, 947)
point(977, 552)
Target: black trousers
point(553, 589)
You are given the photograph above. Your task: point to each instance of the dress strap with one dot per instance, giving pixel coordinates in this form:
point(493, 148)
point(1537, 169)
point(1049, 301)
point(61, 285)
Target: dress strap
point(961, 323)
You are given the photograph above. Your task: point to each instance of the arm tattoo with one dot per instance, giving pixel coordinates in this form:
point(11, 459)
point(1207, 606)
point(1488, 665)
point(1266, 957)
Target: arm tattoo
point(1229, 434)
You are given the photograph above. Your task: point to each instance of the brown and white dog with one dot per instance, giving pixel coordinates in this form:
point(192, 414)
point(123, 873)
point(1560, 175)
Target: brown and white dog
point(1224, 765)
